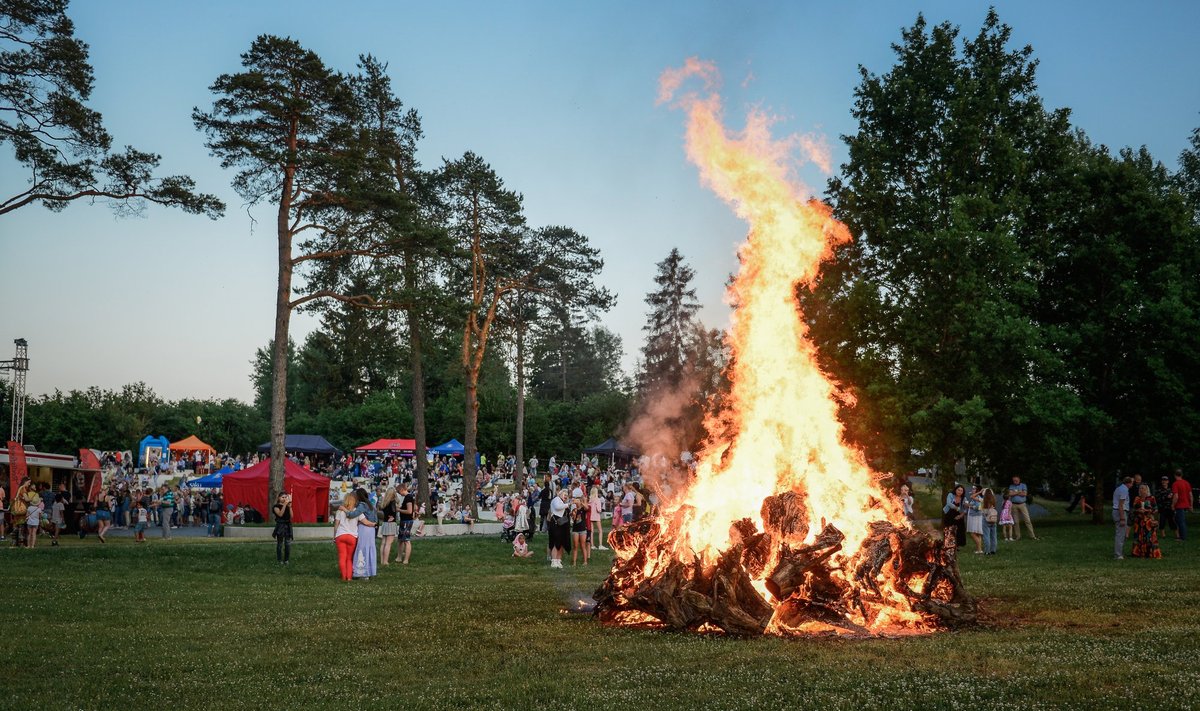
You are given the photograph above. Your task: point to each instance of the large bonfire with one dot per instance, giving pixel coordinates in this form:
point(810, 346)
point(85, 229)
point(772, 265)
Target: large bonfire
point(783, 529)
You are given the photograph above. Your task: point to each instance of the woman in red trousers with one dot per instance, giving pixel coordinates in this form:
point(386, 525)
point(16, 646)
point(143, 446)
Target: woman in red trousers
point(345, 536)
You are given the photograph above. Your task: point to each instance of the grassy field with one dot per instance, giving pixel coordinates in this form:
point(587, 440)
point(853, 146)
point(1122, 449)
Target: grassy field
point(201, 624)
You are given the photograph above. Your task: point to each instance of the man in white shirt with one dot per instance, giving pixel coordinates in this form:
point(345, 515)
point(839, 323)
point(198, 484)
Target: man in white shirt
point(1121, 516)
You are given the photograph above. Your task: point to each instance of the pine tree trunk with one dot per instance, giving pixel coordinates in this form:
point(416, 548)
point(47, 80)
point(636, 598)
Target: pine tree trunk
point(279, 365)
point(418, 406)
point(520, 446)
point(470, 426)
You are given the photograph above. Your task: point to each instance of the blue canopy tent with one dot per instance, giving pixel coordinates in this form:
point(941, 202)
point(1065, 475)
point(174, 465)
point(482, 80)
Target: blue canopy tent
point(212, 481)
point(453, 448)
point(304, 444)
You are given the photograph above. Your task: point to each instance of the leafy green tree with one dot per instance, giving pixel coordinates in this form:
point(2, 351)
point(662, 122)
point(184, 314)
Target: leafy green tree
point(46, 80)
point(951, 190)
point(1121, 302)
point(285, 124)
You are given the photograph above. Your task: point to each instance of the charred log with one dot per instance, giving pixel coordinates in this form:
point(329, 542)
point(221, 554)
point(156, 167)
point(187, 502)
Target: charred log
point(789, 574)
point(785, 515)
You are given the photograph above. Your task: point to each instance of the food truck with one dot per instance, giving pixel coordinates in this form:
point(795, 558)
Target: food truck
point(79, 476)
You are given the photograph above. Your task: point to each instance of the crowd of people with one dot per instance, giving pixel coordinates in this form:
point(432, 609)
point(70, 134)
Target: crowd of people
point(569, 502)
point(1139, 513)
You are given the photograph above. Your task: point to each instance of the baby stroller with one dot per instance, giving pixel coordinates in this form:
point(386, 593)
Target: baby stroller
point(508, 530)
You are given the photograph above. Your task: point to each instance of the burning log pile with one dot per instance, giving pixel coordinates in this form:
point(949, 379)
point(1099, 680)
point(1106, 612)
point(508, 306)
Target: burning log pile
point(900, 581)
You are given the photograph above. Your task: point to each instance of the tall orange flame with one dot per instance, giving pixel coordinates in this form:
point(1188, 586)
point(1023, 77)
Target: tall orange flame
point(781, 432)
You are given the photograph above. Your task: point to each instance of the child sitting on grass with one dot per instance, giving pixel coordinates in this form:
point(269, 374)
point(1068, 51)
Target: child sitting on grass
point(520, 548)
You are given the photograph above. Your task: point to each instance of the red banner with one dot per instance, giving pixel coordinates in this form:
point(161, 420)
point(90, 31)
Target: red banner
point(16, 466)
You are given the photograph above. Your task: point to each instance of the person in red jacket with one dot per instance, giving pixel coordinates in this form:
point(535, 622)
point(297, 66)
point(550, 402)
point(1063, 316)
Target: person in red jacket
point(1181, 503)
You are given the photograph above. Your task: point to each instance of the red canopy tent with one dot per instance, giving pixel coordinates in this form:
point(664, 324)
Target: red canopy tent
point(310, 491)
point(389, 446)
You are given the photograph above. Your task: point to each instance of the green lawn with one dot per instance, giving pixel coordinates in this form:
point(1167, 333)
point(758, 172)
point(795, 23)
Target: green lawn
point(202, 624)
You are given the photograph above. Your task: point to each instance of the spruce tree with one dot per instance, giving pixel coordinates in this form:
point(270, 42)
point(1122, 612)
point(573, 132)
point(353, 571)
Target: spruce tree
point(670, 324)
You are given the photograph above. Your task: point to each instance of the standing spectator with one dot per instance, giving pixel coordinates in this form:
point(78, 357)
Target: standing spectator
point(627, 503)
point(390, 527)
point(596, 515)
point(214, 515)
point(544, 497)
point(166, 507)
point(1162, 500)
point(990, 519)
point(283, 528)
point(559, 528)
point(1006, 519)
point(532, 500)
point(407, 511)
point(58, 511)
point(522, 520)
point(365, 555)
point(974, 506)
point(906, 502)
point(579, 531)
point(533, 465)
point(345, 536)
point(18, 510)
point(1145, 525)
point(1181, 503)
point(1018, 493)
point(1121, 517)
point(33, 518)
point(141, 517)
point(103, 516)
point(952, 516)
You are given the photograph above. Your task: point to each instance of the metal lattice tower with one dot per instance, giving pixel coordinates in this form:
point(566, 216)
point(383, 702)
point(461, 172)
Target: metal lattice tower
point(19, 367)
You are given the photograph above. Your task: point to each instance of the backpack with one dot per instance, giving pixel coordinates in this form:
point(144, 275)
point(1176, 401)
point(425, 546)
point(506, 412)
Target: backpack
point(990, 515)
point(214, 506)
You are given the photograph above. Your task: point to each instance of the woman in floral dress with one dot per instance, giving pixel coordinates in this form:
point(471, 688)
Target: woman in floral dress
point(1145, 525)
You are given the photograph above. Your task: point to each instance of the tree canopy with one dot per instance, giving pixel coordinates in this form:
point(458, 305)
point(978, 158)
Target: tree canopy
point(46, 80)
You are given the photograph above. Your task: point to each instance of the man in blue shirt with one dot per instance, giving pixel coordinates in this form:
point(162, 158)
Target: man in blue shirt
point(1018, 493)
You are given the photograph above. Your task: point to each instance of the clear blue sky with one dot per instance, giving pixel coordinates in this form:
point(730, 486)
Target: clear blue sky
point(558, 96)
